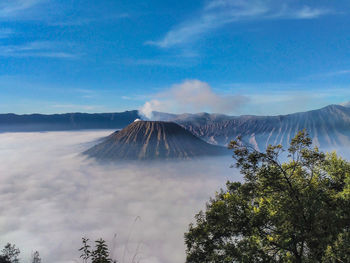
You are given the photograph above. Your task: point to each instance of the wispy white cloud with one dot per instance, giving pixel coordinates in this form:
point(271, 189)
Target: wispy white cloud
point(134, 98)
point(76, 22)
point(88, 20)
point(10, 8)
point(218, 13)
point(6, 32)
point(76, 107)
point(164, 62)
point(329, 74)
point(337, 73)
point(285, 98)
point(55, 13)
point(46, 49)
point(307, 12)
point(86, 93)
point(185, 58)
point(52, 54)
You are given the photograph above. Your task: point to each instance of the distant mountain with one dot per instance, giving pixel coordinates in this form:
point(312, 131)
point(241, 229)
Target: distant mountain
point(150, 140)
point(329, 127)
point(346, 104)
point(68, 121)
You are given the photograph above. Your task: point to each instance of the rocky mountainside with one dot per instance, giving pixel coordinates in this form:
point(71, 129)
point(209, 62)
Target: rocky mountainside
point(329, 127)
point(149, 140)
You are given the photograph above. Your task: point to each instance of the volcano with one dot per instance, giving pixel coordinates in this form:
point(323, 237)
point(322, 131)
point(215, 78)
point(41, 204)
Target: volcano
point(149, 140)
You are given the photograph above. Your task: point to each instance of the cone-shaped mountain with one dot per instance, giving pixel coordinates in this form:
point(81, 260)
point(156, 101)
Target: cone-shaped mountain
point(147, 140)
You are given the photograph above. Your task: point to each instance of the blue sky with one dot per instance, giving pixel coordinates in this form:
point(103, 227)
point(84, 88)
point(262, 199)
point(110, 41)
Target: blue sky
point(267, 57)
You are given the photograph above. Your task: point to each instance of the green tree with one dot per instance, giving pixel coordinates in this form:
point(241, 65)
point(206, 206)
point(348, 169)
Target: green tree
point(4, 260)
point(36, 257)
point(10, 253)
point(339, 251)
point(101, 253)
point(297, 211)
point(85, 250)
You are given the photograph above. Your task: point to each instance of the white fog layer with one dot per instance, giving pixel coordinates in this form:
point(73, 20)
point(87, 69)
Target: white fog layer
point(51, 196)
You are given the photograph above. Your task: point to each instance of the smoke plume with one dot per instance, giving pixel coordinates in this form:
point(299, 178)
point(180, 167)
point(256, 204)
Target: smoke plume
point(192, 96)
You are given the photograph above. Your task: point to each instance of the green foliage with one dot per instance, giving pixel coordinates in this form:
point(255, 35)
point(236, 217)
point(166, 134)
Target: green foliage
point(36, 257)
point(339, 252)
point(85, 249)
point(99, 255)
point(298, 211)
point(4, 260)
point(10, 253)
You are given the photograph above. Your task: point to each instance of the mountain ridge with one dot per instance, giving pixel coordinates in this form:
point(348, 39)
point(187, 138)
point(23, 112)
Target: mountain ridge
point(329, 126)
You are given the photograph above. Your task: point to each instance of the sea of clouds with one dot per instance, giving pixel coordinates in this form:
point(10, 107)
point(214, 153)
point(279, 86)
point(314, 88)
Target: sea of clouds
point(51, 196)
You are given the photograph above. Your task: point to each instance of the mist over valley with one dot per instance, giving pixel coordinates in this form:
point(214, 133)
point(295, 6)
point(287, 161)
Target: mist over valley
point(204, 131)
point(53, 196)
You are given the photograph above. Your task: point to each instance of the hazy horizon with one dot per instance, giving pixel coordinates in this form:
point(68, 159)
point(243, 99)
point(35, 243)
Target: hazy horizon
point(343, 103)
